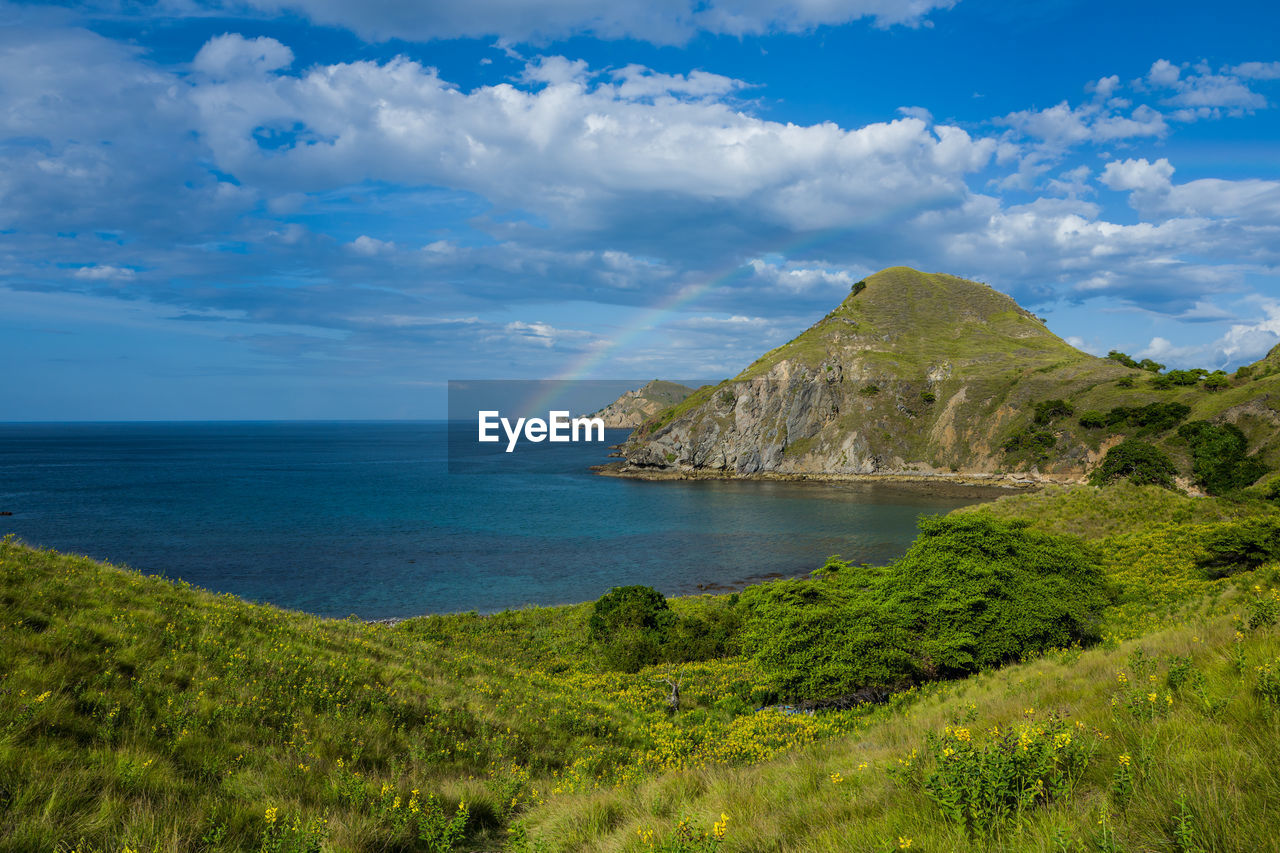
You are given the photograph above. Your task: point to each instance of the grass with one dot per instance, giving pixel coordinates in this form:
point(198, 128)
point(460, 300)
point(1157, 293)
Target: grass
point(141, 714)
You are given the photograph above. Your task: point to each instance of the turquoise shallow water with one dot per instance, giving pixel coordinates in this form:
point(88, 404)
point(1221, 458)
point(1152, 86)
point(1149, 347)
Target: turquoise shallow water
point(365, 518)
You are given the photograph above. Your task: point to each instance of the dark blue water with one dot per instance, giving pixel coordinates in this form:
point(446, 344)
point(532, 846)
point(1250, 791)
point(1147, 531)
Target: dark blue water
point(365, 518)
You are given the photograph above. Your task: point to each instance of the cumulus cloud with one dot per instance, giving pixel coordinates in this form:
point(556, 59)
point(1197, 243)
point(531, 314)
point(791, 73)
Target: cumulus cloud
point(1241, 343)
point(1201, 93)
point(1153, 192)
point(569, 149)
point(570, 185)
point(232, 55)
point(370, 246)
point(1258, 70)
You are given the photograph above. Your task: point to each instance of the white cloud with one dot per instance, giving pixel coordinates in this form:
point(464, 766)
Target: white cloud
point(1063, 126)
point(546, 335)
point(1258, 70)
point(233, 55)
point(1154, 193)
point(370, 246)
point(1203, 94)
point(1242, 343)
point(1163, 73)
point(795, 278)
point(105, 272)
point(571, 150)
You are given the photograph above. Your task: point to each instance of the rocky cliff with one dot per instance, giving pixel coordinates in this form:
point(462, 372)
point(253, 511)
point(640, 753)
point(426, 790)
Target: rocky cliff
point(918, 374)
point(635, 407)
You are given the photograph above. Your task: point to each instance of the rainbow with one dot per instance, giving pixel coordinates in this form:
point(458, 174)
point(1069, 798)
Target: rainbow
point(654, 316)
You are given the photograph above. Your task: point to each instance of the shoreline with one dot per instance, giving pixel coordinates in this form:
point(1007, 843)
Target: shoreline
point(713, 588)
point(959, 485)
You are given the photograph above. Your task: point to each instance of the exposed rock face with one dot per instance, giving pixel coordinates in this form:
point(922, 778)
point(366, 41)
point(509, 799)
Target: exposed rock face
point(635, 407)
point(913, 374)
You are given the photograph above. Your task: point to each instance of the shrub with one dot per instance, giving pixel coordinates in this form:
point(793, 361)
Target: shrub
point(631, 625)
point(980, 787)
point(928, 397)
point(1220, 460)
point(1136, 461)
point(1161, 382)
point(1241, 546)
point(980, 592)
point(1127, 361)
point(973, 592)
point(1216, 381)
point(858, 287)
point(1244, 372)
point(1151, 418)
point(1037, 441)
point(1125, 382)
point(1048, 410)
point(869, 390)
point(1093, 419)
point(1187, 377)
point(1149, 365)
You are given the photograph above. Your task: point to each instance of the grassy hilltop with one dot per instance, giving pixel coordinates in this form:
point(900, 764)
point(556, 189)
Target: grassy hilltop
point(140, 714)
point(920, 374)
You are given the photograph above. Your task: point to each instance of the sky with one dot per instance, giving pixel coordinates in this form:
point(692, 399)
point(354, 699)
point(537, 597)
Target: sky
point(262, 209)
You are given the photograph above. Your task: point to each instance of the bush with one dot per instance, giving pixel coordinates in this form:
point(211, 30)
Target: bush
point(927, 397)
point(1093, 419)
point(1220, 460)
point(1048, 410)
point(869, 390)
point(1037, 441)
point(1125, 382)
point(1136, 461)
point(1216, 381)
point(1127, 361)
point(858, 287)
point(981, 786)
point(1241, 546)
point(1151, 366)
point(1187, 377)
point(981, 592)
point(1149, 419)
point(973, 592)
point(631, 626)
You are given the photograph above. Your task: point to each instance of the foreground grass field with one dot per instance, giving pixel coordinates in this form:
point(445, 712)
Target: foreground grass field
point(139, 714)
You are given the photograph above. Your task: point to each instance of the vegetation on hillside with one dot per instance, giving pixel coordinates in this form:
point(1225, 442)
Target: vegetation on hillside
point(141, 714)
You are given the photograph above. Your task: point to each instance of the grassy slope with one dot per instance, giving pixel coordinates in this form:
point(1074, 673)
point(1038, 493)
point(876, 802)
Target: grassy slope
point(1215, 748)
point(138, 712)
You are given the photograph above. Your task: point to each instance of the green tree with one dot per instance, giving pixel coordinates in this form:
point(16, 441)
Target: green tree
point(1137, 461)
point(972, 592)
point(1220, 460)
point(630, 626)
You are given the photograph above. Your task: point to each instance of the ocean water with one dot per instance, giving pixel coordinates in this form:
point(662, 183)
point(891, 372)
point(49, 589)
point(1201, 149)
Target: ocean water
point(365, 518)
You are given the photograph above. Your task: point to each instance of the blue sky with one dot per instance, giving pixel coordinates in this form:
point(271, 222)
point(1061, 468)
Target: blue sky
point(330, 208)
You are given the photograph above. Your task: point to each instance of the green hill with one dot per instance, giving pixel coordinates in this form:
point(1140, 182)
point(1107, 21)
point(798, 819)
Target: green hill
point(930, 375)
point(141, 714)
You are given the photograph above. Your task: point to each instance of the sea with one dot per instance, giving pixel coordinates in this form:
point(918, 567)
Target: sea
point(371, 519)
